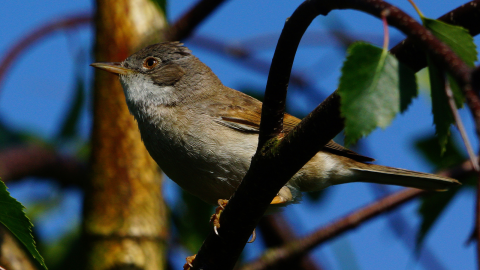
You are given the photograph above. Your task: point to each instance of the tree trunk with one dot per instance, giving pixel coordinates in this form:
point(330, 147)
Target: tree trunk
point(125, 224)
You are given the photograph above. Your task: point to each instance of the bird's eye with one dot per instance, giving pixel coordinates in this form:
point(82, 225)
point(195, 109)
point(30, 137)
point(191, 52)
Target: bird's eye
point(150, 62)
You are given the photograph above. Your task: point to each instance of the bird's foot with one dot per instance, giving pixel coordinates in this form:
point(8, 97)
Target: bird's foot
point(189, 264)
point(215, 219)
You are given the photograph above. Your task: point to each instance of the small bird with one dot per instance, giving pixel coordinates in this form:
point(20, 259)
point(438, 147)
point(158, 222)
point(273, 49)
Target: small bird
point(203, 134)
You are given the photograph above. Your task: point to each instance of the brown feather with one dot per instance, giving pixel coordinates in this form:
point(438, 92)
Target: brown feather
point(168, 75)
point(246, 114)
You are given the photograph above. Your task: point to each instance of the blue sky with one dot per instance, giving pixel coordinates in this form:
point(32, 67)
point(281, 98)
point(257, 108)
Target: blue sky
point(37, 90)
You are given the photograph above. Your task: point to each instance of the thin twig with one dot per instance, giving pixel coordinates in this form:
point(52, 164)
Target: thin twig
point(461, 128)
point(303, 245)
point(271, 169)
point(465, 16)
point(347, 223)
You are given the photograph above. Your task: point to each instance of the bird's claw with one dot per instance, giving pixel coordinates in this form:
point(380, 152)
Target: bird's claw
point(254, 236)
point(189, 264)
point(215, 218)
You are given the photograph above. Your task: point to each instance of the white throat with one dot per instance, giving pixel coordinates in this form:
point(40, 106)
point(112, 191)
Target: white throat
point(139, 89)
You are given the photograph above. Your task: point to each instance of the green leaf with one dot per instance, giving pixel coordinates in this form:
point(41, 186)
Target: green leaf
point(455, 37)
point(12, 215)
point(428, 148)
point(433, 205)
point(457, 92)
point(461, 42)
point(430, 209)
point(69, 126)
point(373, 88)
point(442, 113)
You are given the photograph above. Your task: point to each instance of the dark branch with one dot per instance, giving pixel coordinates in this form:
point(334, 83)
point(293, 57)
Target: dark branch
point(466, 16)
point(299, 247)
point(305, 244)
point(38, 34)
point(184, 26)
point(246, 58)
point(278, 160)
point(276, 90)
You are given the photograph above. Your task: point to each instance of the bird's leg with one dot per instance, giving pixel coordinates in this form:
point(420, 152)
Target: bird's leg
point(189, 264)
point(215, 218)
point(283, 196)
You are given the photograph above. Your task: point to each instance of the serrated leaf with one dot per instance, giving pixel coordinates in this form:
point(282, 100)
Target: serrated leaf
point(442, 114)
point(456, 37)
point(461, 42)
point(69, 126)
point(12, 215)
point(433, 205)
point(373, 88)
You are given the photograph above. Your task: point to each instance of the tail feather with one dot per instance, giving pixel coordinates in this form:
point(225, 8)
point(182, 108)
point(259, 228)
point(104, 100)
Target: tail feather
point(372, 173)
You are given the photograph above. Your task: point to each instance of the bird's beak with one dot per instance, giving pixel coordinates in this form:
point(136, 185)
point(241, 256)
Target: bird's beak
point(113, 67)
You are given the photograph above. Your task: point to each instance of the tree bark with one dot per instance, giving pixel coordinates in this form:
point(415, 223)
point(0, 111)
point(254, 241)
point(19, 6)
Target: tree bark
point(125, 222)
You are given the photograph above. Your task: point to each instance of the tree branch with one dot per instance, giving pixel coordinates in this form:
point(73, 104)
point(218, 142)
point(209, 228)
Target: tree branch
point(24, 161)
point(350, 221)
point(299, 247)
point(276, 161)
point(184, 26)
point(465, 16)
point(38, 34)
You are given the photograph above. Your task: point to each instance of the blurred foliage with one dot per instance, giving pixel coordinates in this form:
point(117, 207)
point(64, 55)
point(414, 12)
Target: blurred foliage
point(433, 205)
point(65, 253)
point(190, 217)
point(69, 128)
point(461, 42)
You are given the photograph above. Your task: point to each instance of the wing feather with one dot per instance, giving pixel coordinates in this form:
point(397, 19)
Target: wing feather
point(244, 116)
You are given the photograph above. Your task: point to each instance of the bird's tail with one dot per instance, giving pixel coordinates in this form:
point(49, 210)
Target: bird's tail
point(372, 173)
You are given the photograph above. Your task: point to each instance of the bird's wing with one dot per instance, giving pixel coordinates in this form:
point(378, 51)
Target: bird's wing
point(244, 114)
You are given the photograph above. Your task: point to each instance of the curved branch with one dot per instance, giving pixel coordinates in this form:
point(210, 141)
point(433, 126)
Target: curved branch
point(276, 161)
point(184, 26)
point(38, 34)
point(298, 247)
point(465, 16)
